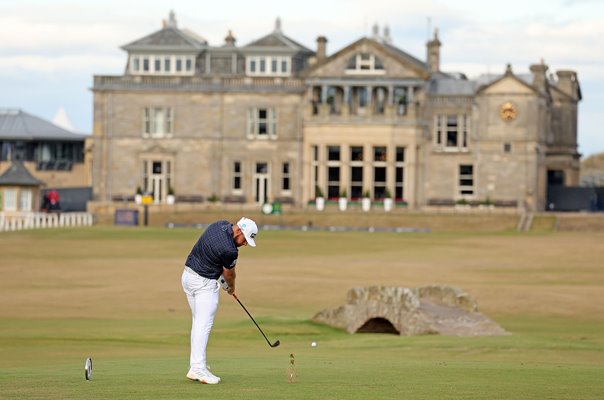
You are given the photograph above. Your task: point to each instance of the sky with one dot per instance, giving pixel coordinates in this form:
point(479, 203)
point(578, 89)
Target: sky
point(51, 50)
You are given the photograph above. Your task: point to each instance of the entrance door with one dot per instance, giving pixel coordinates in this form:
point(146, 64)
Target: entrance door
point(157, 179)
point(261, 183)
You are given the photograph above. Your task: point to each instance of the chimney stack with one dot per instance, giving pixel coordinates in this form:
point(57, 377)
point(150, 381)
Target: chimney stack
point(433, 48)
point(321, 48)
point(539, 75)
point(229, 40)
point(568, 83)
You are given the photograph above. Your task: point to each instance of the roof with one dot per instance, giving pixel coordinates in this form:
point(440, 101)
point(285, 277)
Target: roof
point(394, 51)
point(169, 38)
point(276, 40)
point(457, 84)
point(16, 124)
point(18, 175)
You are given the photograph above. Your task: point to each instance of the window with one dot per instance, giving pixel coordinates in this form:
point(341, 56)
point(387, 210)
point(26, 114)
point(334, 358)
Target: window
point(400, 100)
point(365, 63)
point(399, 189)
point(25, 200)
point(507, 147)
point(333, 171)
point(333, 153)
point(451, 132)
point(356, 172)
point(10, 199)
point(466, 180)
point(286, 177)
point(379, 172)
point(135, 64)
point(262, 123)
point(268, 65)
point(162, 64)
point(237, 175)
point(157, 122)
point(315, 169)
point(379, 153)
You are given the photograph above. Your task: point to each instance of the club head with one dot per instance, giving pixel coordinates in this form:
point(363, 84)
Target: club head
point(277, 343)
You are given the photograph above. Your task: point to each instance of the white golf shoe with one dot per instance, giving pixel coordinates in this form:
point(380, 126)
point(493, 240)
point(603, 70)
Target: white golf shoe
point(203, 376)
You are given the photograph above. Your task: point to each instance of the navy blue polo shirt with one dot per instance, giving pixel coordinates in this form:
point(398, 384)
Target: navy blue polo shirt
point(214, 250)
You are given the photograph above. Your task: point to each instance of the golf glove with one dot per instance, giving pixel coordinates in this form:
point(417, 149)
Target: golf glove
point(223, 283)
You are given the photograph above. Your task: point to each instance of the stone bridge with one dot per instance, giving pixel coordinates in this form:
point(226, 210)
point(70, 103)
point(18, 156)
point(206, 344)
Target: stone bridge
point(436, 309)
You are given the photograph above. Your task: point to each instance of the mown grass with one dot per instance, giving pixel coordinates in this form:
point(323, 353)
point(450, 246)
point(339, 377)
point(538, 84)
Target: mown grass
point(114, 294)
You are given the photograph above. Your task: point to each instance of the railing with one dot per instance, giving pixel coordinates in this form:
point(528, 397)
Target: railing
point(35, 220)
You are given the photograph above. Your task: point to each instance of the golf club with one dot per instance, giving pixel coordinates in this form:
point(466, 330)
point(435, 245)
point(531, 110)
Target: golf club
point(277, 343)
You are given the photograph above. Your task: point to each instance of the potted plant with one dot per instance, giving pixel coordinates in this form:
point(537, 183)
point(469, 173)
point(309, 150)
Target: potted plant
point(343, 201)
point(319, 199)
point(387, 200)
point(170, 198)
point(366, 201)
point(138, 197)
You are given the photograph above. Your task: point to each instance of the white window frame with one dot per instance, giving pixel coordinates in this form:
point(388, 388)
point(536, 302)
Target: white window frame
point(10, 199)
point(25, 199)
point(254, 121)
point(255, 62)
point(441, 131)
point(150, 123)
point(364, 66)
point(187, 63)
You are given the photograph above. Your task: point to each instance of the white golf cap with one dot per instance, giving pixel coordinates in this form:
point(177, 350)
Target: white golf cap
point(249, 229)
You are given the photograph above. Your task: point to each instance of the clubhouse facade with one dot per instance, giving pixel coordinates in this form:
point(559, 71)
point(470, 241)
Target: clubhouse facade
point(276, 121)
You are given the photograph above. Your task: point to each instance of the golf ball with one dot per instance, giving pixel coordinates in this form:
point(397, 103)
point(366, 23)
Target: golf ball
point(314, 344)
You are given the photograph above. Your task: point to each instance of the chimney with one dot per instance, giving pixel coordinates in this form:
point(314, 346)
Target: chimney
point(229, 40)
point(321, 48)
point(172, 20)
point(376, 32)
point(433, 47)
point(539, 75)
point(277, 25)
point(568, 83)
point(387, 38)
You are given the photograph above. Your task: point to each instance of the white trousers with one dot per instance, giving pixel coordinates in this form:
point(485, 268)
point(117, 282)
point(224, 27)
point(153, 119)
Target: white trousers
point(202, 295)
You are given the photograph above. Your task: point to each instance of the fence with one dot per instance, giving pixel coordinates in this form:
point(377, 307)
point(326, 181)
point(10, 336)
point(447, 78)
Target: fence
point(34, 220)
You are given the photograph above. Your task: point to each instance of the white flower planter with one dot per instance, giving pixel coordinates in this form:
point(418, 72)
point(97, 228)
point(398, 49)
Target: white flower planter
point(320, 203)
point(388, 204)
point(342, 203)
point(366, 204)
point(170, 199)
point(138, 198)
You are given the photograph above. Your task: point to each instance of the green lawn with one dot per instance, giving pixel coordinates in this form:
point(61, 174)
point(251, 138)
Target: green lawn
point(114, 294)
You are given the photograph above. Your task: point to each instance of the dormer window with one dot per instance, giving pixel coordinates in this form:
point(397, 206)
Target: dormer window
point(365, 63)
point(161, 64)
point(268, 65)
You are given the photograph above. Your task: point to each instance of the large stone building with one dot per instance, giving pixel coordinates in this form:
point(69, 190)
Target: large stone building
point(274, 120)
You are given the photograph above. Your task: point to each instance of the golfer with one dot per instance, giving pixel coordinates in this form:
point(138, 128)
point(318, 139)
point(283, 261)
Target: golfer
point(214, 254)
